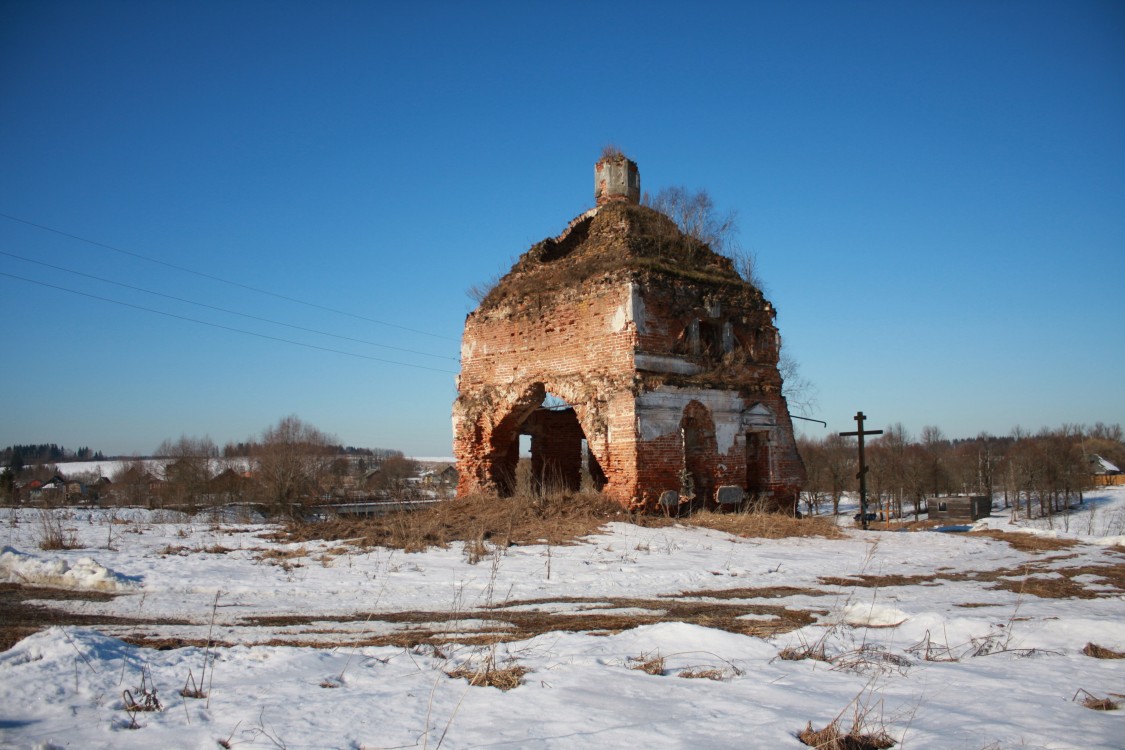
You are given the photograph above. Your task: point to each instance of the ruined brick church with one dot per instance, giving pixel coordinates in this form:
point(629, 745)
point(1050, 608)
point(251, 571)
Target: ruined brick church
point(627, 348)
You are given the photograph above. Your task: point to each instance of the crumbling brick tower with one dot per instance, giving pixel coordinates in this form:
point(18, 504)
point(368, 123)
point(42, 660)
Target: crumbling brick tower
point(630, 346)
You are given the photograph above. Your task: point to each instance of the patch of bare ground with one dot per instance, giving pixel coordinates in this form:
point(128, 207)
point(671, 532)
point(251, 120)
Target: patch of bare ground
point(765, 525)
point(553, 519)
point(892, 579)
point(558, 518)
point(520, 620)
point(1042, 577)
point(1109, 580)
point(159, 642)
point(19, 618)
point(1028, 542)
point(180, 550)
point(764, 592)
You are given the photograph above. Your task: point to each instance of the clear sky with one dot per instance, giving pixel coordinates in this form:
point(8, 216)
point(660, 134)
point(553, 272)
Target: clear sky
point(935, 193)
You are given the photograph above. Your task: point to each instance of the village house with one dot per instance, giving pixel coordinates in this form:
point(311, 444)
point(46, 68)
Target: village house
point(1105, 473)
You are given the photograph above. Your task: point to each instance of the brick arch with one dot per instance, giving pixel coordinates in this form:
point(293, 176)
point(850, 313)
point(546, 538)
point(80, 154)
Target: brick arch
point(503, 444)
point(556, 440)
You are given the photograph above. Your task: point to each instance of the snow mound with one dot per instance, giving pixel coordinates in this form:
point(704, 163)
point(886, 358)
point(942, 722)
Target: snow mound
point(871, 615)
point(85, 574)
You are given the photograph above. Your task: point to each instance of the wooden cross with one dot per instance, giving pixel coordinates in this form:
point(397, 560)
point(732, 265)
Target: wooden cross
point(862, 475)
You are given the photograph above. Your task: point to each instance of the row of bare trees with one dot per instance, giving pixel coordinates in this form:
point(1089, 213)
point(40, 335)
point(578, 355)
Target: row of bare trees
point(1036, 474)
point(291, 463)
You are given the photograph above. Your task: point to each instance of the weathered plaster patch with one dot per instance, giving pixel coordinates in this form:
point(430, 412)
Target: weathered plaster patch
point(660, 411)
point(659, 363)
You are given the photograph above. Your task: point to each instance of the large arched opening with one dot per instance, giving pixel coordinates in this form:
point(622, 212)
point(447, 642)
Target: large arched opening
point(541, 447)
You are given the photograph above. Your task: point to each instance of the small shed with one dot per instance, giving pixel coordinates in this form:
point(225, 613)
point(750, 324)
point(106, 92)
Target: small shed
point(1105, 473)
point(962, 508)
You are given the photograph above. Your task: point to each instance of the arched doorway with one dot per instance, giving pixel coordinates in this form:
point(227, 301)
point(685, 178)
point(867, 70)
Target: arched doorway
point(553, 460)
point(700, 451)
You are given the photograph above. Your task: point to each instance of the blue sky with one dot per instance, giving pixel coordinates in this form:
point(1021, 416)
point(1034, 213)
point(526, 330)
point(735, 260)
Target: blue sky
point(935, 193)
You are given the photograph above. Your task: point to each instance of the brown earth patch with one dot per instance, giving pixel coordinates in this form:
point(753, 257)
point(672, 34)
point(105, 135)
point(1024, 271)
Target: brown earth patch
point(765, 592)
point(1022, 580)
point(550, 519)
point(1028, 542)
point(765, 525)
point(1064, 586)
point(19, 618)
point(502, 623)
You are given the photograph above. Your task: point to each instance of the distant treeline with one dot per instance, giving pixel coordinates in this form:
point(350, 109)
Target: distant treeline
point(51, 453)
point(246, 449)
point(1042, 472)
point(46, 453)
point(290, 463)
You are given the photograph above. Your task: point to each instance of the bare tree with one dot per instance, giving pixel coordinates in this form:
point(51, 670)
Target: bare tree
point(936, 448)
point(187, 475)
point(697, 216)
point(817, 479)
point(292, 459)
point(133, 485)
point(799, 392)
point(394, 473)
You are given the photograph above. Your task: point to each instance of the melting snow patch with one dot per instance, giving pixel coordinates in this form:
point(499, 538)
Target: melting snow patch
point(86, 573)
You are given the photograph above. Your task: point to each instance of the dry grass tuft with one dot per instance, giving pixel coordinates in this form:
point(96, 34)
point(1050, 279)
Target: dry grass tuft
point(703, 673)
point(1100, 704)
point(1089, 700)
point(831, 738)
point(490, 675)
point(52, 535)
point(1101, 652)
point(804, 651)
point(649, 664)
point(283, 554)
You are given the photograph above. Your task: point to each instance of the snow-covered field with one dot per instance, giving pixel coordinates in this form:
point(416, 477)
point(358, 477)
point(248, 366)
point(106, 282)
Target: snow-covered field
point(944, 640)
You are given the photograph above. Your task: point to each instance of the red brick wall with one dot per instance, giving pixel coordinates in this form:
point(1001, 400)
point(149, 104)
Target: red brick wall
point(580, 344)
point(577, 346)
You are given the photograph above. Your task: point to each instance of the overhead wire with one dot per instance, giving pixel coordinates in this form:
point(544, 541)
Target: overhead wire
point(225, 310)
point(225, 327)
point(220, 279)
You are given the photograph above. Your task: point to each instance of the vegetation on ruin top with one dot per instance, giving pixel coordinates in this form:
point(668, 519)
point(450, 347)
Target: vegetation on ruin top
point(618, 240)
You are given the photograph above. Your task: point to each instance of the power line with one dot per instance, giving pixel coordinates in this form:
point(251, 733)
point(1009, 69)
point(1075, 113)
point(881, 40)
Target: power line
point(220, 279)
point(225, 310)
point(225, 328)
